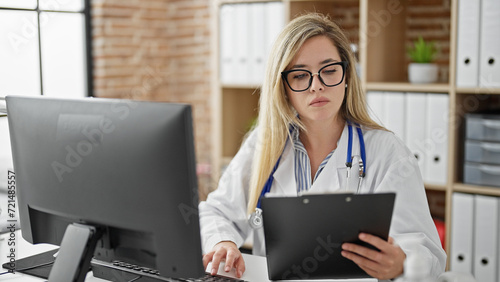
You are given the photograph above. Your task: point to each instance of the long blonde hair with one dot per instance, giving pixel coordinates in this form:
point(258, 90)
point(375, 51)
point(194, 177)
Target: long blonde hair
point(276, 114)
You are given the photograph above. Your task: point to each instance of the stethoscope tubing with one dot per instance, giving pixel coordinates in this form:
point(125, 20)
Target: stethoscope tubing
point(269, 182)
point(348, 162)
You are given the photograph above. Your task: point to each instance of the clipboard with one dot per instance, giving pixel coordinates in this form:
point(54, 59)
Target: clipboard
point(304, 234)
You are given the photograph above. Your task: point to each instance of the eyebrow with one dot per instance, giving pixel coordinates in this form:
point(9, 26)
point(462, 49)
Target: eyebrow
point(326, 61)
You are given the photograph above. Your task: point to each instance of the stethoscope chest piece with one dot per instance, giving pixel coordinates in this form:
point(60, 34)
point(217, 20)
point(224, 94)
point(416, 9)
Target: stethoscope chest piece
point(354, 179)
point(255, 219)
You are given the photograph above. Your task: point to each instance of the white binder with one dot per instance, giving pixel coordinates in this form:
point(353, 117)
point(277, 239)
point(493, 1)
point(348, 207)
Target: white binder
point(436, 141)
point(247, 31)
point(256, 52)
point(275, 21)
point(485, 238)
point(226, 40)
point(489, 56)
point(241, 43)
point(416, 120)
point(395, 113)
point(462, 232)
point(376, 104)
point(468, 43)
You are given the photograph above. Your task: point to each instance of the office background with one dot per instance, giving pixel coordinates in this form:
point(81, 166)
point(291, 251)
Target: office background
point(163, 50)
point(169, 50)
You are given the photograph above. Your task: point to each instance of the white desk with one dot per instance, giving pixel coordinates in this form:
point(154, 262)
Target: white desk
point(256, 267)
point(256, 270)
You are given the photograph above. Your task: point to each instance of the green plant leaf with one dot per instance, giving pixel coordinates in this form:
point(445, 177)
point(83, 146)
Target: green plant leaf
point(421, 51)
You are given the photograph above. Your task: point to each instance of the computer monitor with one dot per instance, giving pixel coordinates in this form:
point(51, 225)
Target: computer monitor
point(115, 178)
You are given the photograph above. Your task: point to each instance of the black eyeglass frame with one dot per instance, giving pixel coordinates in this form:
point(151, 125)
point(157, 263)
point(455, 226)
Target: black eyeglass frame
point(344, 65)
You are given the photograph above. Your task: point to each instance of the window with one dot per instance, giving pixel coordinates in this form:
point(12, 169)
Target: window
point(45, 49)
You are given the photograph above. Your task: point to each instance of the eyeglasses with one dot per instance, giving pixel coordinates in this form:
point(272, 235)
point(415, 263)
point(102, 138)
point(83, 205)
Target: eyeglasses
point(300, 80)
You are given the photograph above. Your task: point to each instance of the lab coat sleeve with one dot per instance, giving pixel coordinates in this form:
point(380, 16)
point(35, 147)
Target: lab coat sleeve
point(223, 216)
point(411, 217)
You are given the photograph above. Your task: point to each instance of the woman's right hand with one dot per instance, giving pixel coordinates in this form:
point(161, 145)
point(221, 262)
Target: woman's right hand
point(225, 250)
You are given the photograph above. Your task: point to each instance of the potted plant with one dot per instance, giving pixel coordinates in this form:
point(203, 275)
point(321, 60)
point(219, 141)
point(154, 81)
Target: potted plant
point(422, 70)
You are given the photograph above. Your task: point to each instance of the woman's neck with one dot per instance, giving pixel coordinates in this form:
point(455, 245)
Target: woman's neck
point(322, 136)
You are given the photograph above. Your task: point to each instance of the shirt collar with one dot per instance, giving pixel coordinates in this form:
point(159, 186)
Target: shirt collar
point(297, 144)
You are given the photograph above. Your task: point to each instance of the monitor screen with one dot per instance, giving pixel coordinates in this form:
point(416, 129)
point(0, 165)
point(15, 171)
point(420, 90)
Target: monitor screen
point(125, 169)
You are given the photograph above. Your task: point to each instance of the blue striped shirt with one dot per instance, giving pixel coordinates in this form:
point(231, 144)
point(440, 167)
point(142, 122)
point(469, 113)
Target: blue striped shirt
point(303, 164)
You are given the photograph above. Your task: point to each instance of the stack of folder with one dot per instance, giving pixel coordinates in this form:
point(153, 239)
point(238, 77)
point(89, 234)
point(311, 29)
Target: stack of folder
point(247, 32)
point(478, 43)
point(475, 243)
point(421, 121)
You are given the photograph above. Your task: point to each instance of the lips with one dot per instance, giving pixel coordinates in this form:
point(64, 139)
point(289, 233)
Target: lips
point(320, 101)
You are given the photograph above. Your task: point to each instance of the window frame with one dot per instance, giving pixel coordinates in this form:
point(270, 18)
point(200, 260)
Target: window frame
point(88, 41)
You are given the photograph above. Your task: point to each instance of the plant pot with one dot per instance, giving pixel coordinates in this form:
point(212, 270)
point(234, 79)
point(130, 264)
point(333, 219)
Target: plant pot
point(422, 73)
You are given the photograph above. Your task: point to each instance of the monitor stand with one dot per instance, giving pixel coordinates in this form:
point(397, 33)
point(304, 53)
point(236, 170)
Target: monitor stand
point(77, 248)
point(38, 265)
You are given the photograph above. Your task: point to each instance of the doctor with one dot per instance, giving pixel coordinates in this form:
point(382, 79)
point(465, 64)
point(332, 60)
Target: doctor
point(312, 119)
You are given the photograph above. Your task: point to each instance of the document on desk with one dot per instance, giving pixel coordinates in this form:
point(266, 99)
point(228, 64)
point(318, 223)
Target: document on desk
point(256, 271)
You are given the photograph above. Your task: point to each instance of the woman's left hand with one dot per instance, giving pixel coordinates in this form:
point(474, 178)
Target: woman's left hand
point(386, 264)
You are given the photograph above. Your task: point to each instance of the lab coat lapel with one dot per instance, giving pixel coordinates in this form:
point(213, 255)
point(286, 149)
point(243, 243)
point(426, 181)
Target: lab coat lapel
point(284, 177)
point(332, 177)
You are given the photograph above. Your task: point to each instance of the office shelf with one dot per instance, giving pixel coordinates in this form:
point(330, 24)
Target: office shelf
point(481, 90)
point(240, 86)
point(435, 187)
point(408, 87)
point(475, 189)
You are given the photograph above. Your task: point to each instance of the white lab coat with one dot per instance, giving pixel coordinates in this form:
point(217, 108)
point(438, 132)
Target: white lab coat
point(391, 167)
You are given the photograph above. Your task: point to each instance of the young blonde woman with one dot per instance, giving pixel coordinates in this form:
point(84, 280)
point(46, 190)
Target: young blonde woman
point(310, 99)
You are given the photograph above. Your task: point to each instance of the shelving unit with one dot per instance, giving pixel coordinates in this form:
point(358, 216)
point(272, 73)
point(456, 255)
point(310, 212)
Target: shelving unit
point(381, 34)
point(408, 87)
point(477, 90)
point(239, 106)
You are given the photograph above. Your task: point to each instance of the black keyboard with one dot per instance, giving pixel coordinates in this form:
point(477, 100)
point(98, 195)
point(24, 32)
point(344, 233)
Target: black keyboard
point(121, 271)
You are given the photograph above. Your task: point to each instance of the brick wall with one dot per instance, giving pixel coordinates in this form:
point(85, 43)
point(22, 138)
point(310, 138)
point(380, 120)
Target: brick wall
point(156, 50)
point(344, 13)
point(431, 20)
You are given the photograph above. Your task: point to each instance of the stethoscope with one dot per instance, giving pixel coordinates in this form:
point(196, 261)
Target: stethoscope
point(255, 219)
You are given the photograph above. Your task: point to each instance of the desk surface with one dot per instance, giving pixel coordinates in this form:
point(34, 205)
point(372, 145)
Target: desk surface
point(256, 266)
